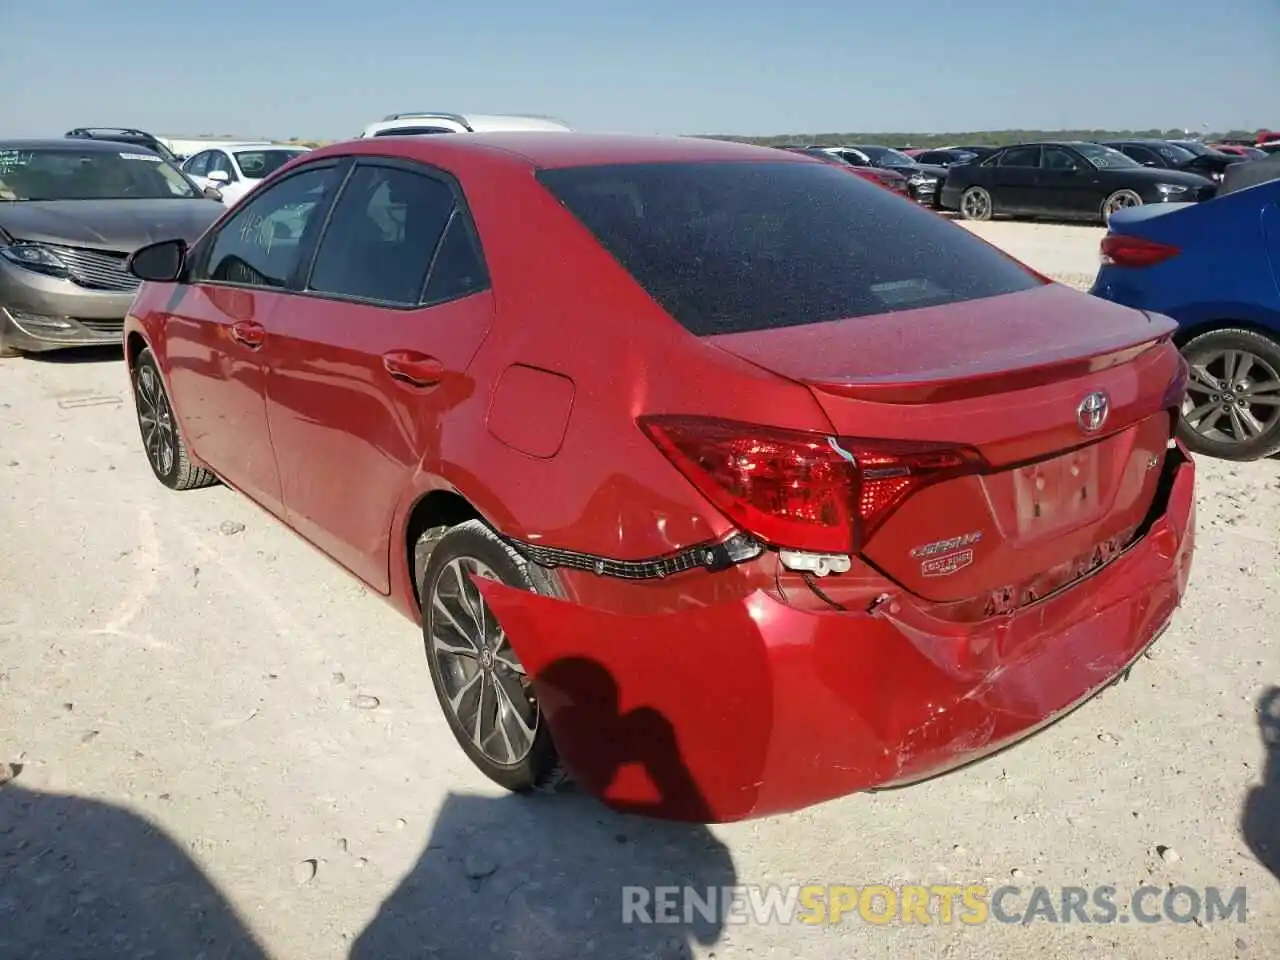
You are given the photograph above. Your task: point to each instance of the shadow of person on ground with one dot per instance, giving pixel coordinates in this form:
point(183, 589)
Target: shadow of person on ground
point(1260, 822)
point(84, 880)
point(533, 877)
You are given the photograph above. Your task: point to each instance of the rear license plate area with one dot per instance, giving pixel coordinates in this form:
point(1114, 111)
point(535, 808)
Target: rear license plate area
point(1059, 493)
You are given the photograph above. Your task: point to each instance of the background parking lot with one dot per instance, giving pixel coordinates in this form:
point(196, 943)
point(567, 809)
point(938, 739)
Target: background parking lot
point(277, 767)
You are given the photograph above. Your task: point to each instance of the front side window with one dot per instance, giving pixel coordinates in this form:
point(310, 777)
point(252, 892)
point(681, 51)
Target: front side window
point(198, 165)
point(260, 244)
point(1139, 153)
point(258, 164)
point(219, 162)
point(887, 157)
point(1194, 148)
point(382, 236)
point(736, 247)
point(66, 173)
point(1175, 154)
point(853, 157)
point(1056, 158)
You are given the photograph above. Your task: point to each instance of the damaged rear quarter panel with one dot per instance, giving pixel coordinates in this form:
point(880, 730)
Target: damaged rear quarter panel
point(748, 706)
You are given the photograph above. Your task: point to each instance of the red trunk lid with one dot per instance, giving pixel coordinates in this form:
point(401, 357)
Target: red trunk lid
point(1008, 376)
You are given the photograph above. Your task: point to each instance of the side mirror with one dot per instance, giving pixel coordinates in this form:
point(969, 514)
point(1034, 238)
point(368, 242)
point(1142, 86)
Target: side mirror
point(158, 262)
point(218, 176)
point(212, 193)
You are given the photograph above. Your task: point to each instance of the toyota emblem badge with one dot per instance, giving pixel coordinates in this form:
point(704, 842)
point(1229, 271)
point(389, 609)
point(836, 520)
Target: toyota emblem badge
point(1092, 412)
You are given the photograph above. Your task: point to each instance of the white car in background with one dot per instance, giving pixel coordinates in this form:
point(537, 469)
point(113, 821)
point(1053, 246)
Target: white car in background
point(426, 122)
point(235, 168)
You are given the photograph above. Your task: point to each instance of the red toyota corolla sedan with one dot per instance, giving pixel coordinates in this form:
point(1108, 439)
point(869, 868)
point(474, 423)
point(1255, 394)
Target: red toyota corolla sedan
point(717, 478)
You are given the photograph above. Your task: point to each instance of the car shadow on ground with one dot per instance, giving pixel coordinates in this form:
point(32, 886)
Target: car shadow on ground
point(524, 877)
point(103, 354)
point(515, 877)
point(84, 880)
point(1260, 821)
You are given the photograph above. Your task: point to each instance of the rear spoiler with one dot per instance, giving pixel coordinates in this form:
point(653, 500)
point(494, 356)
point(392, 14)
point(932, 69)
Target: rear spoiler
point(942, 385)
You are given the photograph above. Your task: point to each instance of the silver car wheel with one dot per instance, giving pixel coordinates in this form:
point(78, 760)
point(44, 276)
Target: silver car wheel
point(485, 686)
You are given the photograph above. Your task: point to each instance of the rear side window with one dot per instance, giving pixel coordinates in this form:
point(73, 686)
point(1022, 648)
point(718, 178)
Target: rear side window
point(734, 247)
point(382, 236)
point(1021, 157)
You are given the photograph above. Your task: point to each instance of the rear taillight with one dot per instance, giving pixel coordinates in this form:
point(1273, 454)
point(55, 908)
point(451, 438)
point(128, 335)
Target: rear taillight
point(799, 490)
point(1119, 250)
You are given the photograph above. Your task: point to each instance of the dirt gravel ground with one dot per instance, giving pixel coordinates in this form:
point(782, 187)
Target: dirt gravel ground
point(220, 746)
point(1066, 252)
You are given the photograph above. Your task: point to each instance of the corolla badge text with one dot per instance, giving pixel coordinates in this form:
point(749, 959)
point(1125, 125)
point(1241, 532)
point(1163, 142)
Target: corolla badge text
point(946, 546)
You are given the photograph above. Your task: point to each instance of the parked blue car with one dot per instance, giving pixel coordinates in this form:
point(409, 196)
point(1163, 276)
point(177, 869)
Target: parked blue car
point(1214, 267)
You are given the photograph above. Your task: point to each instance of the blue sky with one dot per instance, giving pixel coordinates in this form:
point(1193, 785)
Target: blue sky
point(324, 68)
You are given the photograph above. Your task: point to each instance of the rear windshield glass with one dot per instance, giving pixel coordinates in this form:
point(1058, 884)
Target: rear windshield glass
point(741, 246)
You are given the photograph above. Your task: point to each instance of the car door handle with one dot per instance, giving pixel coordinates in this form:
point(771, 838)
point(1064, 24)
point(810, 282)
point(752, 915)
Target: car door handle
point(413, 368)
point(250, 334)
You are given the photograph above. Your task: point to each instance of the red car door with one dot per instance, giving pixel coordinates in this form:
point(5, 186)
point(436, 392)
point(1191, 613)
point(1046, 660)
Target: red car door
point(368, 358)
point(216, 331)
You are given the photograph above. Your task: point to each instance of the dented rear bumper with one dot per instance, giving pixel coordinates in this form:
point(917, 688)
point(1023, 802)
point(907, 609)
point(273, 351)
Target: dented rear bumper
point(752, 706)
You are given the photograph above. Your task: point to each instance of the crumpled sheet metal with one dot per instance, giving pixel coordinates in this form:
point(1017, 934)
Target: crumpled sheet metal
point(752, 707)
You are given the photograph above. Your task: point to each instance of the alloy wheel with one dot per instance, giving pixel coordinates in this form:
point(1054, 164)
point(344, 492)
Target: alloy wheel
point(1232, 396)
point(485, 686)
point(155, 416)
point(1120, 200)
point(975, 205)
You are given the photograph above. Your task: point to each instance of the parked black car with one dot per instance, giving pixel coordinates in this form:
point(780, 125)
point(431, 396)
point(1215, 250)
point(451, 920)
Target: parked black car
point(1176, 155)
point(948, 157)
point(137, 138)
point(983, 151)
point(924, 181)
point(1070, 180)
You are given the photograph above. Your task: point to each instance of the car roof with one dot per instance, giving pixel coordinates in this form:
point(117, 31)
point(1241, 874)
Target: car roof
point(62, 143)
point(566, 149)
point(477, 122)
point(260, 144)
point(1051, 143)
point(496, 122)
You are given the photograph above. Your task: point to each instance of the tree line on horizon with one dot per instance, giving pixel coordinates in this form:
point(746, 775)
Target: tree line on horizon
point(993, 138)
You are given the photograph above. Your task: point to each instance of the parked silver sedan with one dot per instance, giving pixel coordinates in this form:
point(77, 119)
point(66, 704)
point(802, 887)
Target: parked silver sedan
point(71, 212)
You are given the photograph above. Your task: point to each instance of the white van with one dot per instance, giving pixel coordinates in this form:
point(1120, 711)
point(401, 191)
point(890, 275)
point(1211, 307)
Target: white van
point(426, 122)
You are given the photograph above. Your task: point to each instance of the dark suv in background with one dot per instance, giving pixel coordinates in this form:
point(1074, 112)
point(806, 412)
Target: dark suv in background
point(138, 138)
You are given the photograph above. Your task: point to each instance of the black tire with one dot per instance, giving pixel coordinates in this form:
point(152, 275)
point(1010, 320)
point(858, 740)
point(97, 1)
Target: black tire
point(162, 442)
point(467, 544)
point(979, 207)
point(1208, 355)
